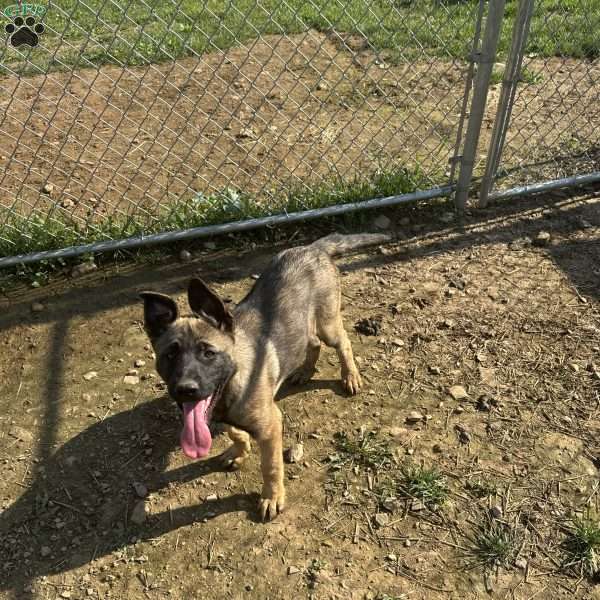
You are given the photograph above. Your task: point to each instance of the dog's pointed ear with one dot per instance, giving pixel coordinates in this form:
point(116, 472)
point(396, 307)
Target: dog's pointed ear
point(204, 302)
point(159, 312)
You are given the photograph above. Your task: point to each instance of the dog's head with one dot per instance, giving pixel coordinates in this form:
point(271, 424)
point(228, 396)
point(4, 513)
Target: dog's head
point(193, 357)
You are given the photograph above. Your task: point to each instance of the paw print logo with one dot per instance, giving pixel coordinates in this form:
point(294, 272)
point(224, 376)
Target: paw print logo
point(24, 31)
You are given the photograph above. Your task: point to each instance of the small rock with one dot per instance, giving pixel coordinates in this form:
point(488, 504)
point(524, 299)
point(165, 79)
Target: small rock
point(414, 416)
point(90, 591)
point(65, 594)
point(574, 367)
point(37, 307)
point(391, 504)
point(484, 404)
point(322, 86)
point(397, 342)
point(541, 239)
point(140, 489)
point(211, 498)
point(67, 203)
point(521, 563)
point(407, 543)
point(138, 514)
point(417, 505)
point(48, 188)
point(291, 570)
point(458, 392)
point(294, 453)
point(248, 587)
point(45, 551)
point(447, 324)
point(435, 370)
point(459, 410)
point(496, 511)
point(382, 222)
point(131, 380)
point(139, 363)
point(90, 375)
point(382, 519)
point(83, 268)
point(185, 256)
point(246, 132)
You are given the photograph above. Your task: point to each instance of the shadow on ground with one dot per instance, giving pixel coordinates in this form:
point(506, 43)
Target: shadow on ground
point(97, 470)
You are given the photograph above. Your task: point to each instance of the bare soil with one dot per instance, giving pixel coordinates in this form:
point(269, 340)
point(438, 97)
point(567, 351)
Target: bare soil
point(278, 113)
point(480, 307)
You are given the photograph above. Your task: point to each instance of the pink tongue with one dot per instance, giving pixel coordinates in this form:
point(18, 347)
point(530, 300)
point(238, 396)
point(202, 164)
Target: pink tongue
point(195, 436)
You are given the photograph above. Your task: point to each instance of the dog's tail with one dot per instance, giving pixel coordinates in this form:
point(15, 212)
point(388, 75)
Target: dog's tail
point(336, 243)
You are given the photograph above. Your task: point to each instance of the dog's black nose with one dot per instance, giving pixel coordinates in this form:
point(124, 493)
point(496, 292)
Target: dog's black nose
point(188, 389)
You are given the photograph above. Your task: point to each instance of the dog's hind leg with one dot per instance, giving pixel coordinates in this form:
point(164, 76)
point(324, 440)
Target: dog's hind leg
point(332, 332)
point(239, 451)
point(308, 368)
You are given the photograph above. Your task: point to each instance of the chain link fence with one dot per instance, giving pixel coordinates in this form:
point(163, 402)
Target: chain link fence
point(554, 129)
point(143, 118)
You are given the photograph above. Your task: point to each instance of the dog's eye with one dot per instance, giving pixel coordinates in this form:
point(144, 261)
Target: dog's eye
point(172, 351)
point(208, 353)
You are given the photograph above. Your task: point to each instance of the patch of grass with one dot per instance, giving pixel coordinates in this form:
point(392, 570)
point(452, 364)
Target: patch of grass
point(312, 573)
point(531, 77)
point(582, 547)
point(22, 235)
point(424, 483)
point(492, 544)
point(527, 76)
point(496, 76)
point(364, 450)
point(149, 31)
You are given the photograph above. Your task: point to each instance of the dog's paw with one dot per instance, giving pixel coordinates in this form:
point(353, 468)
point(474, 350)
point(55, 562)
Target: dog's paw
point(233, 457)
point(352, 382)
point(270, 507)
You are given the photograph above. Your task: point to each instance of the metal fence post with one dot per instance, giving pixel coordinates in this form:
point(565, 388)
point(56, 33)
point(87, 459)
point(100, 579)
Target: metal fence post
point(485, 60)
point(510, 81)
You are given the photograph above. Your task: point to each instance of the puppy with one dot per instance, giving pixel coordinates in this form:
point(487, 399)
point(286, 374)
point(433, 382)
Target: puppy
point(226, 366)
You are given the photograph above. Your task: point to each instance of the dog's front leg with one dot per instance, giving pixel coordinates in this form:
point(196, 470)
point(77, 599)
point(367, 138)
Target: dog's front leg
point(270, 441)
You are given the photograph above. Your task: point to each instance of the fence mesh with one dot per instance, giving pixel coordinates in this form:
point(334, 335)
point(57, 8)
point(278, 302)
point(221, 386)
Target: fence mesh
point(157, 116)
point(145, 116)
point(555, 127)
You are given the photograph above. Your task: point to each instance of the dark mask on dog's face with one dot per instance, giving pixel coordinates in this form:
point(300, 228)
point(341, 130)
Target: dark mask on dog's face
point(193, 357)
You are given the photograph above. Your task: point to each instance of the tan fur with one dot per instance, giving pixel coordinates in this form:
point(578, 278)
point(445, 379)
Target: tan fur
point(276, 336)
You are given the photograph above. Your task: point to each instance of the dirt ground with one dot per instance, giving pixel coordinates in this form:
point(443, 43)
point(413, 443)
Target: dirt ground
point(479, 307)
point(279, 113)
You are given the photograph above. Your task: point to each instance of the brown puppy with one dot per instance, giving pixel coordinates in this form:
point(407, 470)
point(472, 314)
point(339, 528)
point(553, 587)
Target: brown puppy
point(227, 366)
